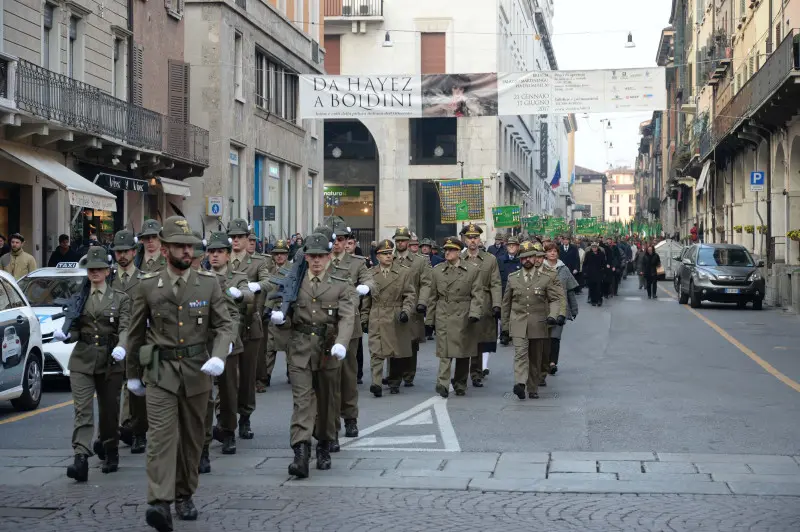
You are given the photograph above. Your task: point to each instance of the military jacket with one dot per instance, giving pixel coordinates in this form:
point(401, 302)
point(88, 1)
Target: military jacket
point(421, 278)
point(277, 337)
point(257, 269)
point(393, 294)
point(456, 295)
point(527, 304)
point(197, 314)
point(238, 311)
point(155, 265)
point(102, 326)
point(129, 287)
point(486, 329)
point(354, 268)
point(321, 317)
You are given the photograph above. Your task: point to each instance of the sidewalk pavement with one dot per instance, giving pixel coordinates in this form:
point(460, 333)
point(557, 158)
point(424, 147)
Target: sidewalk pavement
point(554, 472)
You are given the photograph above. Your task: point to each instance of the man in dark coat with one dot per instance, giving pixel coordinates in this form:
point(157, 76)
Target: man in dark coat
point(568, 253)
point(594, 271)
point(509, 261)
point(499, 247)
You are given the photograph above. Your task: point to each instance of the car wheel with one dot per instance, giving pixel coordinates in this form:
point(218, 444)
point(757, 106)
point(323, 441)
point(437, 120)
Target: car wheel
point(694, 297)
point(741, 304)
point(676, 282)
point(31, 386)
point(682, 298)
point(758, 304)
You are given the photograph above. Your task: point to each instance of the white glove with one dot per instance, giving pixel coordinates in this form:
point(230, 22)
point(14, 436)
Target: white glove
point(277, 318)
point(214, 366)
point(339, 351)
point(254, 287)
point(362, 289)
point(230, 348)
point(59, 336)
point(136, 387)
point(234, 292)
point(118, 353)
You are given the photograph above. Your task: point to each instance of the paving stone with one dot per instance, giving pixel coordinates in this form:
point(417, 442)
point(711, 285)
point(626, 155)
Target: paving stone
point(670, 467)
point(377, 463)
point(738, 458)
point(36, 461)
point(620, 467)
point(444, 455)
point(573, 466)
point(595, 456)
point(36, 452)
point(734, 477)
point(281, 464)
point(663, 477)
point(486, 463)
point(5, 471)
point(582, 476)
point(510, 470)
point(35, 476)
point(426, 483)
point(436, 474)
point(237, 462)
point(600, 486)
point(774, 469)
point(524, 458)
point(431, 464)
point(722, 467)
point(764, 489)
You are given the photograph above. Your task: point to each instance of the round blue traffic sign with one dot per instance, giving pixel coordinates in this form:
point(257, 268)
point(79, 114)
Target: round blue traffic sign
point(215, 208)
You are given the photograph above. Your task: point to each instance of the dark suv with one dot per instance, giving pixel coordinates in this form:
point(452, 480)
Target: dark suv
point(723, 273)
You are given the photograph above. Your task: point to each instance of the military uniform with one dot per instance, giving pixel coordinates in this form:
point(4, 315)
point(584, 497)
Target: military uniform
point(101, 327)
point(391, 305)
point(185, 310)
point(277, 338)
point(354, 268)
point(486, 328)
point(321, 323)
point(456, 305)
point(534, 300)
point(257, 268)
point(421, 278)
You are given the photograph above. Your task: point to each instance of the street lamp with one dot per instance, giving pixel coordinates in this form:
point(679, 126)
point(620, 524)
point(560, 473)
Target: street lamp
point(387, 41)
point(630, 43)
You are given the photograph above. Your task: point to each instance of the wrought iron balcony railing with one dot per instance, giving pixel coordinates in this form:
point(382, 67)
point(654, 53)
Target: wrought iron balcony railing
point(3, 78)
point(185, 141)
point(353, 8)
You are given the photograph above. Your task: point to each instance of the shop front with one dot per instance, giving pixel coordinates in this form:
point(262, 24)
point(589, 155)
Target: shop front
point(356, 205)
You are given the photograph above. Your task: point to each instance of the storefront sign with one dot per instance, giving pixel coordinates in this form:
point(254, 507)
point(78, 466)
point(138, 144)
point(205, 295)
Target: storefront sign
point(342, 192)
point(233, 157)
point(506, 216)
point(214, 205)
point(115, 182)
point(81, 199)
point(274, 171)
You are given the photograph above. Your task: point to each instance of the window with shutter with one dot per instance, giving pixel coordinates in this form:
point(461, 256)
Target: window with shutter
point(333, 55)
point(138, 75)
point(178, 107)
point(433, 57)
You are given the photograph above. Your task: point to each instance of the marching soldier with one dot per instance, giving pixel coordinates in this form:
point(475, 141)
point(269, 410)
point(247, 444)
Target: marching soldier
point(391, 306)
point(199, 254)
point(456, 306)
point(152, 260)
point(257, 269)
point(276, 338)
point(354, 268)
point(322, 325)
point(185, 309)
point(533, 302)
point(486, 329)
point(420, 278)
point(96, 366)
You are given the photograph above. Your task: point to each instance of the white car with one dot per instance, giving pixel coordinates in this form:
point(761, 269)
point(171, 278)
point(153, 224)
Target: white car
point(42, 287)
point(22, 359)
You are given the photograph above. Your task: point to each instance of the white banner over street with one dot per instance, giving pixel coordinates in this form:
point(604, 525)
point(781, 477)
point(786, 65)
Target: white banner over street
point(483, 94)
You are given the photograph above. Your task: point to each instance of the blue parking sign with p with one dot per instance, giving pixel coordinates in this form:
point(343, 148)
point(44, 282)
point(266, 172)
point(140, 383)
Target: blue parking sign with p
point(757, 180)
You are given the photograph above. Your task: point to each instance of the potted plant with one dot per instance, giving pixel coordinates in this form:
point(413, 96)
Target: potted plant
point(720, 229)
point(794, 235)
point(737, 228)
point(762, 229)
point(749, 229)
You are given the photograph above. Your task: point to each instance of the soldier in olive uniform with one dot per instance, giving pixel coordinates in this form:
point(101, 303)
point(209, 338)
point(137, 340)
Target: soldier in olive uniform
point(533, 302)
point(152, 260)
point(185, 310)
point(277, 338)
point(96, 366)
point(420, 278)
point(390, 307)
point(354, 268)
point(456, 305)
point(486, 328)
point(257, 268)
point(322, 325)
point(133, 429)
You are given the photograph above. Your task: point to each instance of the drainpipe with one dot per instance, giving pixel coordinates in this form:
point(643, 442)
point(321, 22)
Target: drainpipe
point(755, 139)
point(766, 135)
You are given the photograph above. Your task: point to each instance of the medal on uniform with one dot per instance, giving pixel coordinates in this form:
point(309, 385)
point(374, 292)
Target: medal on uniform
point(330, 312)
point(199, 320)
point(111, 319)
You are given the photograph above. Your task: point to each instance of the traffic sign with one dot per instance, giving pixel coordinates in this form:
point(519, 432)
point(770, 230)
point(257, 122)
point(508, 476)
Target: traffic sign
point(264, 213)
point(757, 180)
point(214, 206)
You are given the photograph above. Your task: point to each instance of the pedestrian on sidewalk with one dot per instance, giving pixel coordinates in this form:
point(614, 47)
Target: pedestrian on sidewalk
point(641, 256)
point(570, 285)
point(594, 271)
point(652, 261)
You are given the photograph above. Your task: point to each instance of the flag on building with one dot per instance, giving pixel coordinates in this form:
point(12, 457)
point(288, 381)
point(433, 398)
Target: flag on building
point(572, 177)
point(556, 176)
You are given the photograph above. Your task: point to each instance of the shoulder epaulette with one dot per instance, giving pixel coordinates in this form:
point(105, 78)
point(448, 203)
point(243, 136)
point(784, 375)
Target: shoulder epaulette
point(359, 257)
point(404, 266)
point(150, 275)
point(339, 279)
point(518, 272)
point(207, 274)
point(121, 292)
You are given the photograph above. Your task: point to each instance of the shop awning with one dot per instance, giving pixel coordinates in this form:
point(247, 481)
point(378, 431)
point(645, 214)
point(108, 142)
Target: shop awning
point(81, 191)
point(701, 183)
point(174, 187)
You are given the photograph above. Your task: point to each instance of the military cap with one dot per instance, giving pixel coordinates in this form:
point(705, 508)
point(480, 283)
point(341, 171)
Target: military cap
point(341, 229)
point(526, 249)
point(402, 233)
point(124, 240)
point(539, 249)
point(199, 247)
point(413, 239)
point(434, 245)
point(513, 240)
point(594, 244)
point(472, 230)
point(385, 246)
point(150, 228)
point(176, 230)
point(251, 236)
point(500, 236)
point(238, 227)
point(96, 257)
point(317, 244)
point(426, 242)
point(281, 246)
point(324, 230)
point(453, 243)
point(219, 240)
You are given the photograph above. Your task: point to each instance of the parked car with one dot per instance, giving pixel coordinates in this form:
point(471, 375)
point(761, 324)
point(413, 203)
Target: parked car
point(21, 358)
point(42, 287)
point(723, 273)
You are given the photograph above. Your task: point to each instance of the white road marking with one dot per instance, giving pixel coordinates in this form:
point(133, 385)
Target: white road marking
point(425, 418)
point(633, 299)
point(383, 441)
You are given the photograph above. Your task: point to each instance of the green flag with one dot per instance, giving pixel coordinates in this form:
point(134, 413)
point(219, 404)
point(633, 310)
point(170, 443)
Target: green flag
point(462, 211)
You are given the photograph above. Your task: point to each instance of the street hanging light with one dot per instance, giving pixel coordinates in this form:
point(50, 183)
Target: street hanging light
point(630, 43)
point(387, 41)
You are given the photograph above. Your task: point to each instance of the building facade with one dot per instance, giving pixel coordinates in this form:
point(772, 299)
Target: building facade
point(77, 155)
point(383, 171)
point(620, 195)
point(245, 58)
point(589, 194)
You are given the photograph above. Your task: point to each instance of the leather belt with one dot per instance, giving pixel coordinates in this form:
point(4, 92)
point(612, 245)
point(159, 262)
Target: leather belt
point(182, 352)
point(312, 330)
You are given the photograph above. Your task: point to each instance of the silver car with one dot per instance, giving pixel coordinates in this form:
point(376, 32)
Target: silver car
point(723, 273)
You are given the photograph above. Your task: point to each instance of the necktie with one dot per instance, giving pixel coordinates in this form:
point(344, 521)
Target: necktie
point(177, 286)
point(150, 262)
point(235, 264)
point(336, 262)
point(385, 274)
point(99, 295)
point(125, 279)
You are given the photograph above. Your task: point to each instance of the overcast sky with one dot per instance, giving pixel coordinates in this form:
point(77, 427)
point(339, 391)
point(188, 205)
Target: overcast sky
point(591, 34)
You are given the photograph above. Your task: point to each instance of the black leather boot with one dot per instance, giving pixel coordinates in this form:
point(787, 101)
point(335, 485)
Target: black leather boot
point(205, 462)
point(323, 455)
point(126, 434)
point(186, 510)
point(79, 470)
point(159, 516)
point(519, 390)
point(139, 444)
point(351, 428)
point(244, 428)
point(302, 455)
point(229, 443)
point(111, 462)
point(334, 445)
point(376, 390)
point(97, 447)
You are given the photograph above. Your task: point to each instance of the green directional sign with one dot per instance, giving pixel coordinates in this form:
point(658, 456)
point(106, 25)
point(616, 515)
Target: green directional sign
point(533, 224)
point(506, 216)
